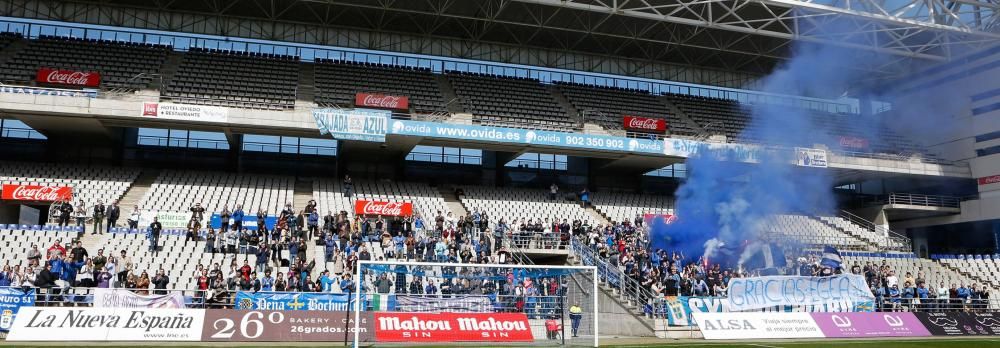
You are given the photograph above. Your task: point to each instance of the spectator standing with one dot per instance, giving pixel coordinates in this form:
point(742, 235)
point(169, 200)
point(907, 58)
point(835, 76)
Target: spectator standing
point(81, 217)
point(99, 211)
point(553, 192)
point(348, 186)
point(65, 211)
point(238, 216)
point(113, 213)
point(584, 198)
point(160, 282)
point(224, 216)
point(133, 218)
point(154, 235)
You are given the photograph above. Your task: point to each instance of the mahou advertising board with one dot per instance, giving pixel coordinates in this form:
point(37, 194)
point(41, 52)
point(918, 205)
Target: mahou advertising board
point(381, 101)
point(36, 193)
point(452, 327)
point(68, 77)
point(644, 124)
point(366, 207)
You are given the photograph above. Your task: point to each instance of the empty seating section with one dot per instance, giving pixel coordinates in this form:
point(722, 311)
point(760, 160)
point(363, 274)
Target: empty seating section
point(7, 38)
point(178, 191)
point(508, 101)
point(426, 200)
point(810, 232)
point(235, 79)
point(510, 204)
point(985, 267)
point(717, 116)
point(338, 82)
point(608, 105)
point(119, 63)
point(90, 183)
point(858, 231)
point(618, 207)
point(934, 273)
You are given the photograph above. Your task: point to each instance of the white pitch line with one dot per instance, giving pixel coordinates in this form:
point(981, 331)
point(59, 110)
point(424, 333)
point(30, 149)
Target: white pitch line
point(762, 345)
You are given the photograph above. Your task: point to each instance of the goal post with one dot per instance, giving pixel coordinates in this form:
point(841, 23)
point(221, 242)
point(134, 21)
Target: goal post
point(428, 302)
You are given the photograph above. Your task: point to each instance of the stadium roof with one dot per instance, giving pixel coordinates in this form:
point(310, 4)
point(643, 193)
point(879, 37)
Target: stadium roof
point(733, 35)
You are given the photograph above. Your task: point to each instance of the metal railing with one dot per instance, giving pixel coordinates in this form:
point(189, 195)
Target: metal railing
point(889, 239)
point(885, 156)
point(919, 200)
point(627, 288)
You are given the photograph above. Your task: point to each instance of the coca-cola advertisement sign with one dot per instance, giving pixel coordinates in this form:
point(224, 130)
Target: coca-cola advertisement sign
point(365, 207)
point(989, 180)
point(68, 77)
point(381, 101)
point(37, 193)
point(452, 327)
point(645, 124)
point(850, 142)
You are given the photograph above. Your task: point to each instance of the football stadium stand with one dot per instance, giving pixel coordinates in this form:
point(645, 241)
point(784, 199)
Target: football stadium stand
point(236, 79)
point(338, 82)
point(507, 101)
point(123, 65)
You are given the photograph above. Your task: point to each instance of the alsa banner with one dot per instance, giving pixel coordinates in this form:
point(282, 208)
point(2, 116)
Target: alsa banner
point(365, 207)
point(69, 324)
point(381, 101)
point(452, 327)
point(761, 292)
point(644, 124)
point(227, 325)
point(846, 325)
point(724, 326)
point(989, 180)
point(120, 298)
point(68, 77)
point(36, 193)
point(185, 112)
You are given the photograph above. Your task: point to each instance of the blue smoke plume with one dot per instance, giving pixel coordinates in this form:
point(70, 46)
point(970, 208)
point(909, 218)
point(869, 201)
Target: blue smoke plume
point(723, 205)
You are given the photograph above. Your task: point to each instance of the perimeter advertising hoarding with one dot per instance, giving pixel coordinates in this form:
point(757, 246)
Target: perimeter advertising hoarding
point(960, 323)
point(723, 326)
point(106, 324)
point(283, 326)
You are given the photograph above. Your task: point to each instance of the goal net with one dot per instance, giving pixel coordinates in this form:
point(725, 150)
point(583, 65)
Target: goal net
point(416, 302)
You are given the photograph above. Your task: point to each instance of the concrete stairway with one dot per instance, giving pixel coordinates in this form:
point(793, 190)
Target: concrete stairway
point(683, 116)
point(571, 110)
point(167, 71)
point(11, 50)
point(448, 92)
point(138, 189)
point(452, 202)
point(617, 315)
point(598, 215)
point(305, 91)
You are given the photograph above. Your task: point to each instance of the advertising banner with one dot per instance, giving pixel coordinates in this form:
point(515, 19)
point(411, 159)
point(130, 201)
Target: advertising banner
point(356, 124)
point(960, 323)
point(36, 193)
point(720, 151)
point(724, 326)
point(249, 221)
point(844, 325)
point(381, 101)
point(283, 301)
point(106, 324)
point(11, 301)
point(760, 292)
point(364, 207)
point(644, 124)
point(989, 180)
point(68, 77)
point(852, 142)
point(185, 112)
point(226, 325)
point(456, 303)
point(806, 157)
point(678, 310)
point(84, 93)
point(120, 298)
point(169, 220)
point(451, 327)
point(526, 137)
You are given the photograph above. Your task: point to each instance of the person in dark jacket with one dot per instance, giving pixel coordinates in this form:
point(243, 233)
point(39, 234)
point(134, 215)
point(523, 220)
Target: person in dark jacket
point(99, 211)
point(154, 235)
point(160, 282)
point(65, 210)
point(113, 213)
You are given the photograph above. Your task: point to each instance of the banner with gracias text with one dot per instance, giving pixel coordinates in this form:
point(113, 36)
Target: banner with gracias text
point(760, 292)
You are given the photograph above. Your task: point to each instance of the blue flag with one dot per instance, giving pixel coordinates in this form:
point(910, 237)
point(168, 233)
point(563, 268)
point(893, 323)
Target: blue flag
point(831, 258)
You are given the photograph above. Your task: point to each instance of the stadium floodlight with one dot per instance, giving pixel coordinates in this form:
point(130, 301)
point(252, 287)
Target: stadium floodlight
point(477, 302)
